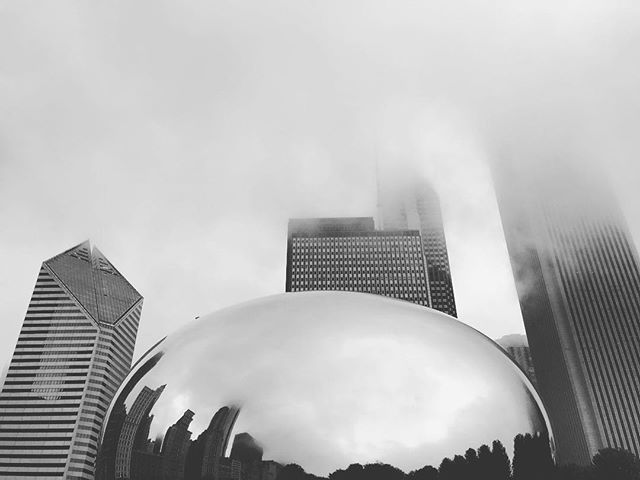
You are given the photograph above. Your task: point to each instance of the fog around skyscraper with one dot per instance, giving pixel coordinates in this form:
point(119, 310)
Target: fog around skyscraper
point(181, 138)
point(578, 280)
point(409, 201)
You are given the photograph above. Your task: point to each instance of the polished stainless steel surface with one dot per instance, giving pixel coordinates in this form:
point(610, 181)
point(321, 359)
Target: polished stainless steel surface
point(320, 379)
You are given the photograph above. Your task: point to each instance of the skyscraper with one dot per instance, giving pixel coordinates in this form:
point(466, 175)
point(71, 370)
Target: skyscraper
point(518, 349)
point(350, 254)
point(578, 279)
point(414, 204)
point(74, 349)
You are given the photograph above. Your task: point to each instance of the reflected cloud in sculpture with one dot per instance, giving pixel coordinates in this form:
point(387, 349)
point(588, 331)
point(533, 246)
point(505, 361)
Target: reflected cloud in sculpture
point(321, 379)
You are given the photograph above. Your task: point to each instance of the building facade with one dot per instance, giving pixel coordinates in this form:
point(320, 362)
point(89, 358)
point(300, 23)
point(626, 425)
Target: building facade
point(414, 204)
point(74, 349)
point(350, 254)
point(518, 349)
point(578, 280)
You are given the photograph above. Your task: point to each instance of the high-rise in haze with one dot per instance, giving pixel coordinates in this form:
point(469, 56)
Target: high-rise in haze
point(414, 204)
point(350, 254)
point(518, 349)
point(74, 349)
point(578, 280)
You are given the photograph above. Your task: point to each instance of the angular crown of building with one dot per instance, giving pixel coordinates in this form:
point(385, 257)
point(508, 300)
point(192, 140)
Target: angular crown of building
point(111, 297)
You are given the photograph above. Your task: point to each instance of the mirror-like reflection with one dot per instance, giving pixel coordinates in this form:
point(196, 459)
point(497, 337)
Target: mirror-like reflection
point(300, 385)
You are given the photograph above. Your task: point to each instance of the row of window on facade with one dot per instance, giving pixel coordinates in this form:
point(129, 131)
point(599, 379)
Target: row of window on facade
point(375, 248)
point(312, 283)
point(406, 243)
point(390, 277)
point(390, 290)
point(356, 269)
point(353, 239)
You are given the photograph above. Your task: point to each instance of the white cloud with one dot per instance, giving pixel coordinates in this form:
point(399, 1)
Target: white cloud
point(181, 137)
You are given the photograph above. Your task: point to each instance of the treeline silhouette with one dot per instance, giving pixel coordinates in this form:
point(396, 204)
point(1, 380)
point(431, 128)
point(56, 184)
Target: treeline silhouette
point(532, 460)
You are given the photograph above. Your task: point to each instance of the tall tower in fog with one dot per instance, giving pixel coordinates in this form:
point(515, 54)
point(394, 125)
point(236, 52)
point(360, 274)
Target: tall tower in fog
point(578, 280)
point(414, 204)
point(74, 350)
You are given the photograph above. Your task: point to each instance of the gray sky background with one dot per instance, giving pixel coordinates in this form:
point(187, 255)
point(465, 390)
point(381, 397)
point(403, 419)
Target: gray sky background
point(180, 137)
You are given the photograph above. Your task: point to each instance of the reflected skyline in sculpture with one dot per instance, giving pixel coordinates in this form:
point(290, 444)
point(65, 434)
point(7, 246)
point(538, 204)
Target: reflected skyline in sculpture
point(175, 456)
point(323, 380)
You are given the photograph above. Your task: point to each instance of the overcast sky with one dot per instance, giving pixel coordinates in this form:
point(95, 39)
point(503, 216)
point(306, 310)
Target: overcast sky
point(180, 137)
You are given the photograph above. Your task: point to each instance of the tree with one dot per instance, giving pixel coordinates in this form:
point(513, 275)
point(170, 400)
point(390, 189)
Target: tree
point(484, 463)
point(471, 456)
point(382, 471)
point(519, 461)
point(355, 471)
point(524, 467)
point(459, 468)
point(542, 456)
point(532, 458)
point(500, 464)
point(446, 470)
point(471, 469)
point(574, 472)
point(424, 473)
point(292, 471)
point(616, 464)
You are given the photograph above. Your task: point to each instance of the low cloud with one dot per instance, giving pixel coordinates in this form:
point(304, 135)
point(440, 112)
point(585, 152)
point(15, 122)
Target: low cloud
point(182, 137)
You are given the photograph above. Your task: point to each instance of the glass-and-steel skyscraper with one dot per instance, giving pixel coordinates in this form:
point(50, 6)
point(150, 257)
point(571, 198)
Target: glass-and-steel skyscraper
point(349, 254)
point(414, 204)
point(578, 280)
point(74, 349)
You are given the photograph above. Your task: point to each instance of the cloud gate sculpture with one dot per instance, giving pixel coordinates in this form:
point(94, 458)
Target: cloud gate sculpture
point(321, 380)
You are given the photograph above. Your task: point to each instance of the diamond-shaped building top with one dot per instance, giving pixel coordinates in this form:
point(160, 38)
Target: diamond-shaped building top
point(111, 295)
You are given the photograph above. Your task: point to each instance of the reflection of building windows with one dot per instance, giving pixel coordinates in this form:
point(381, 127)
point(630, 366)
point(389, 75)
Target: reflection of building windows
point(218, 435)
point(132, 435)
point(205, 456)
point(518, 349)
point(161, 459)
point(223, 468)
